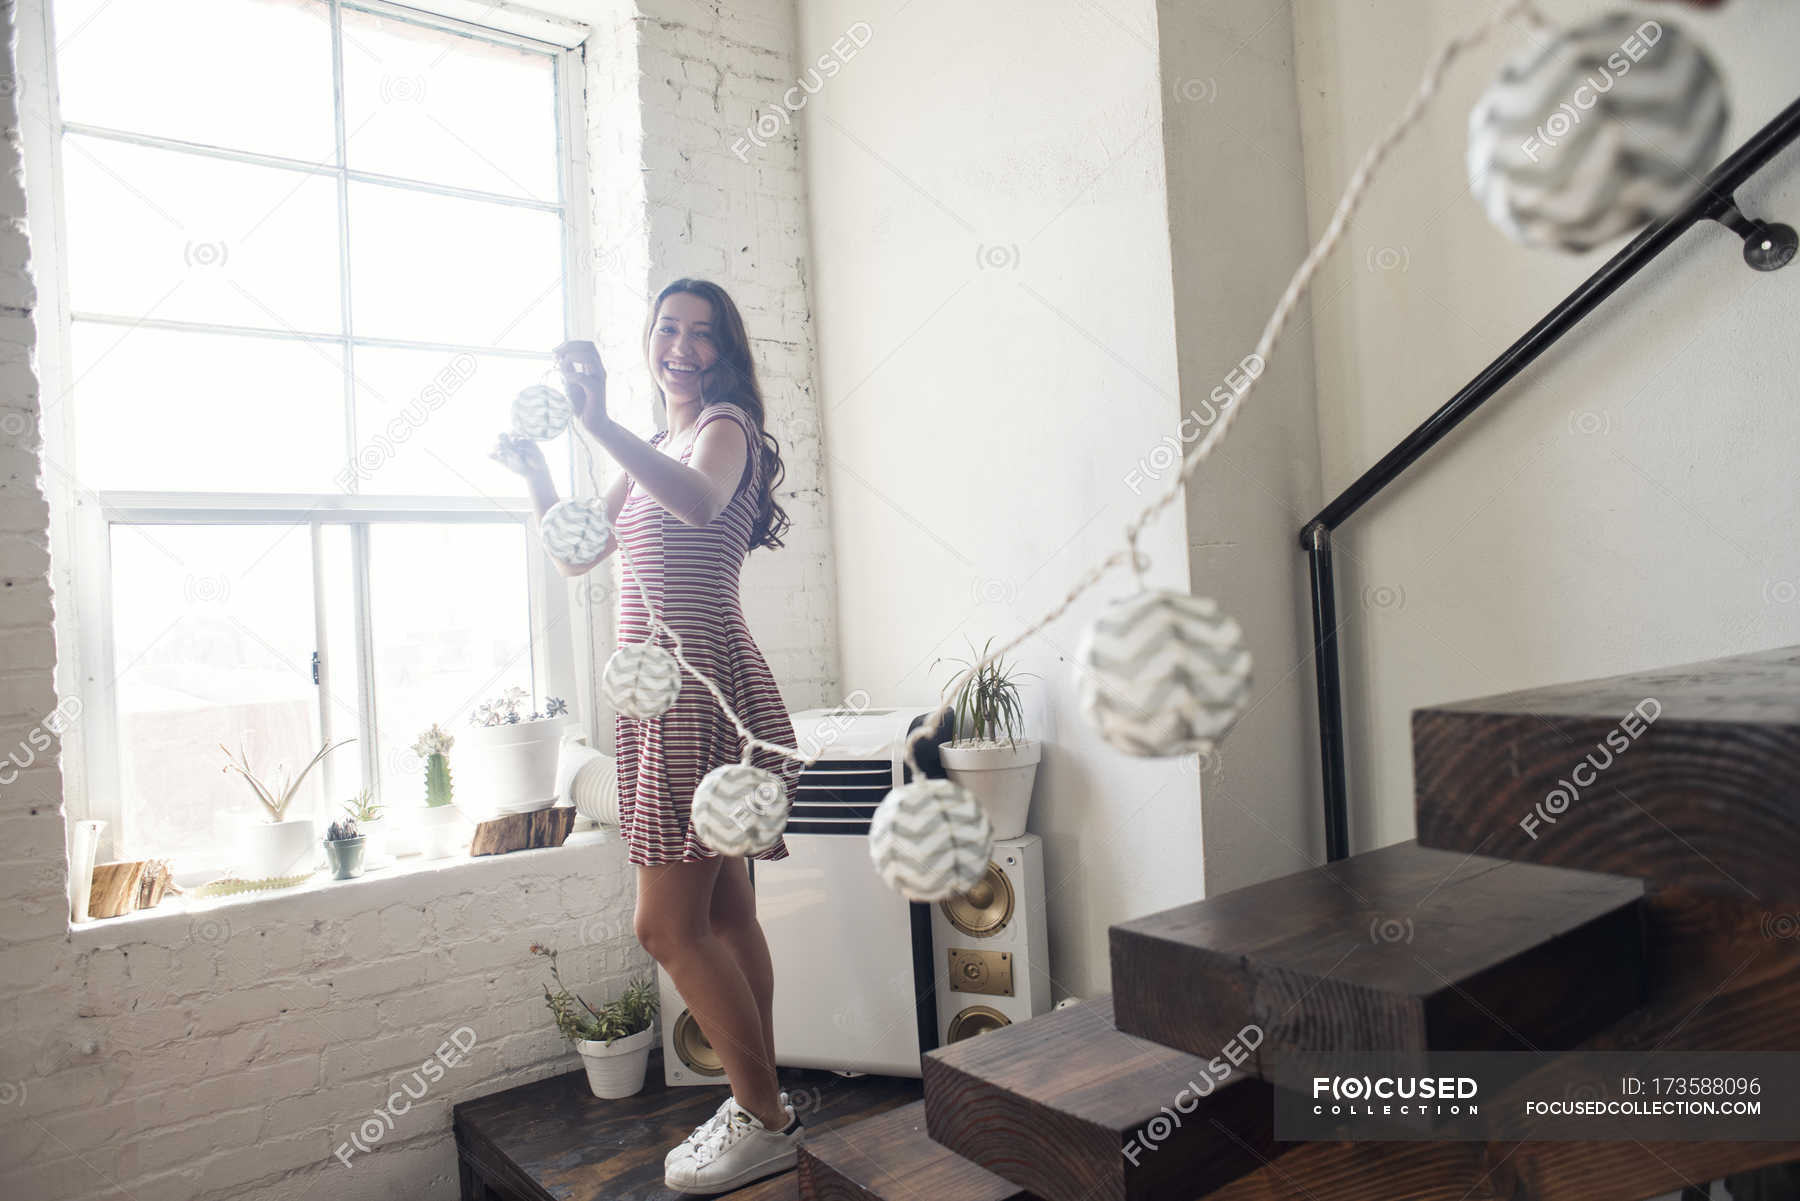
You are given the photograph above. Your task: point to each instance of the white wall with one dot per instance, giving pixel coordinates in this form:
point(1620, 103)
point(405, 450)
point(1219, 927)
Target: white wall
point(1528, 550)
point(1237, 228)
point(991, 278)
point(229, 1052)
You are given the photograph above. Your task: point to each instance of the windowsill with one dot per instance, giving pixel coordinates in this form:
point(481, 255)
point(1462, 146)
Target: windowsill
point(411, 879)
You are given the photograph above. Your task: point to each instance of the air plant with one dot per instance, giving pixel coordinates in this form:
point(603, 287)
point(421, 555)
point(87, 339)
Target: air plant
point(362, 806)
point(987, 705)
point(275, 799)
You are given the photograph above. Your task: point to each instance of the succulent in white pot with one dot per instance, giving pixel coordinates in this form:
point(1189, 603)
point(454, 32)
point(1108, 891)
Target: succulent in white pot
point(989, 756)
point(614, 1040)
point(371, 820)
point(509, 759)
point(275, 844)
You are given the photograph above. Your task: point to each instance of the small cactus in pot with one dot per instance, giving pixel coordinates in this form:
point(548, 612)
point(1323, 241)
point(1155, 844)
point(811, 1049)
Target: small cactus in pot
point(344, 848)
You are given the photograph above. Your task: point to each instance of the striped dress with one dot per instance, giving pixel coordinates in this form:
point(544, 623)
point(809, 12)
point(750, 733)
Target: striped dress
point(691, 574)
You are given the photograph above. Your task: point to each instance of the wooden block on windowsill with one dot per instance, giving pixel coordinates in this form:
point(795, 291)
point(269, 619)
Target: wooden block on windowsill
point(127, 884)
point(523, 831)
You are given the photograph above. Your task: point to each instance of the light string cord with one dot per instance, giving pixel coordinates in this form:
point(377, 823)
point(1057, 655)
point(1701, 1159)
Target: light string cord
point(1351, 199)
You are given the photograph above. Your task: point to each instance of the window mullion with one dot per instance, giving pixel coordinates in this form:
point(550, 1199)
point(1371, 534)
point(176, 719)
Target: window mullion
point(365, 661)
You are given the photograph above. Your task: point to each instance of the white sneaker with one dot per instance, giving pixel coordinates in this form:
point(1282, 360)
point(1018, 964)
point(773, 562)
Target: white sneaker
point(740, 1149)
point(703, 1131)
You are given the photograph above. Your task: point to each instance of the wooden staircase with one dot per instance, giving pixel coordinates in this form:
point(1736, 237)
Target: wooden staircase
point(1658, 909)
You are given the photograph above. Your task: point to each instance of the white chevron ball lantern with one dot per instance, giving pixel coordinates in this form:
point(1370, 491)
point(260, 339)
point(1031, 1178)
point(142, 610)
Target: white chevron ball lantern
point(739, 809)
point(574, 530)
point(930, 840)
point(1609, 126)
point(1162, 673)
point(540, 413)
point(641, 680)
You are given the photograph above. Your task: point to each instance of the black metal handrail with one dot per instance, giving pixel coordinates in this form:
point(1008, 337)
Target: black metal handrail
point(1767, 246)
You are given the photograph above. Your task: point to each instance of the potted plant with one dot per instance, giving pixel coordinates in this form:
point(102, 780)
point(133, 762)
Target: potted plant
point(370, 821)
point(988, 756)
point(277, 845)
point(509, 760)
point(441, 827)
point(614, 1040)
point(344, 846)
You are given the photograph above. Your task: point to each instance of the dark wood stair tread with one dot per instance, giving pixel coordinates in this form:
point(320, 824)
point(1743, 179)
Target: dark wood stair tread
point(1705, 795)
point(890, 1157)
point(1403, 949)
point(1070, 1108)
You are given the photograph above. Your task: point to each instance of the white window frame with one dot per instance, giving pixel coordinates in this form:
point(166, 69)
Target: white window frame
point(561, 612)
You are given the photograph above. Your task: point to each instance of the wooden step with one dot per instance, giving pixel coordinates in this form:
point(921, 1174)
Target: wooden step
point(1687, 776)
point(1066, 1106)
point(1404, 950)
point(890, 1157)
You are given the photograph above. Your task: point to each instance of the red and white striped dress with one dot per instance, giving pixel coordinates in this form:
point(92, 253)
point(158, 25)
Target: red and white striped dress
point(691, 574)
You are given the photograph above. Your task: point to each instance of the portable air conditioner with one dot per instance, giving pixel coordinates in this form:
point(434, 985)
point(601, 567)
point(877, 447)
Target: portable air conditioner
point(854, 984)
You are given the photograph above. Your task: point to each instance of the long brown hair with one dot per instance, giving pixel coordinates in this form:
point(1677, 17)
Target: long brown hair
point(732, 378)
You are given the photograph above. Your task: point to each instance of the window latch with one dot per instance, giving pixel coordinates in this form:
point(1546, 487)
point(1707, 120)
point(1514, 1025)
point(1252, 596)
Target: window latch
point(315, 666)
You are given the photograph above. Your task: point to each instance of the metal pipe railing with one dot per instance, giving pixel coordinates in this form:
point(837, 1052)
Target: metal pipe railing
point(1766, 247)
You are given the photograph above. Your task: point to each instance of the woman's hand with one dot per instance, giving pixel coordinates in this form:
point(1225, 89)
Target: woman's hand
point(522, 455)
point(584, 379)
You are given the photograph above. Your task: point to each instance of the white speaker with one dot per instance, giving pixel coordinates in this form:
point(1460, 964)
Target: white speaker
point(991, 947)
point(688, 1058)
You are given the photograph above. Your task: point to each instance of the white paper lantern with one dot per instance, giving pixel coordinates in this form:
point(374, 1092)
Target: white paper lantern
point(1608, 127)
point(641, 680)
point(574, 530)
point(1162, 673)
point(740, 809)
point(930, 840)
point(540, 412)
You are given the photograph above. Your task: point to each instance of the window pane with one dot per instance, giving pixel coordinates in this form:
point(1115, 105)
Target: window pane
point(427, 419)
point(245, 74)
point(213, 638)
point(443, 269)
point(436, 106)
point(158, 409)
point(452, 628)
point(184, 237)
point(341, 677)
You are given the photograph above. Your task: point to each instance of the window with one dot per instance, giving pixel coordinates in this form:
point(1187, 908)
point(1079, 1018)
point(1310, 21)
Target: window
point(308, 251)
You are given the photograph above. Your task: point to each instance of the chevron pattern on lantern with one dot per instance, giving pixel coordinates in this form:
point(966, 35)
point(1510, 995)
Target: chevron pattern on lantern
point(740, 809)
point(540, 413)
point(930, 840)
point(1162, 673)
point(641, 680)
point(574, 530)
point(1606, 128)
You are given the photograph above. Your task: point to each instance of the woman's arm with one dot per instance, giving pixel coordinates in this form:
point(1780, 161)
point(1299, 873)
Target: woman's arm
point(695, 493)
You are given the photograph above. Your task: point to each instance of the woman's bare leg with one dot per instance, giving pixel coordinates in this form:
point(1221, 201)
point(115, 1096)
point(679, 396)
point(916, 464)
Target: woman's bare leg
point(734, 923)
point(674, 924)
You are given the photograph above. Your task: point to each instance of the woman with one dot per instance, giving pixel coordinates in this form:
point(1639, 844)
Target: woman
point(690, 504)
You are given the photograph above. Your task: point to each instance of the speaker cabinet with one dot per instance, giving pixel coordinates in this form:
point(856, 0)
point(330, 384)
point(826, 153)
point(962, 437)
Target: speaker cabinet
point(688, 1058)
point(990, 945)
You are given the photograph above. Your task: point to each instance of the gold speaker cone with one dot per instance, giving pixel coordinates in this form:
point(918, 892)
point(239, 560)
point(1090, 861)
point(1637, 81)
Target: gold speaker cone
point(984, 910)
point(695, 1051)
point(976, 1019)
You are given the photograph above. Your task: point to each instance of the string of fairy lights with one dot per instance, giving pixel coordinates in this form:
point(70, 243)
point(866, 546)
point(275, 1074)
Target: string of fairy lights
point(1160, 672)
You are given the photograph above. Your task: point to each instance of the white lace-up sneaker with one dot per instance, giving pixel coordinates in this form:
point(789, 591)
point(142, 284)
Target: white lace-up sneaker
point(703, 1131)
point(735, 1152)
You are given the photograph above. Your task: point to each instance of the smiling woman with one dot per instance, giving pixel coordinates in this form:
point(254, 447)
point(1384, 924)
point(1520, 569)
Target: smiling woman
point(689, 504)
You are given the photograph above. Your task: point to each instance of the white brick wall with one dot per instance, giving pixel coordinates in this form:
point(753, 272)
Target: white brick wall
point(228, 1052)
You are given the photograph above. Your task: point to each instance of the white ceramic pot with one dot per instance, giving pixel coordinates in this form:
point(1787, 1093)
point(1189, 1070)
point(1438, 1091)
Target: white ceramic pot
point(998, 776)
point(443, 832)
point(375, 848)
point(617, 1069)
point(283, 848)
point(508, 768)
